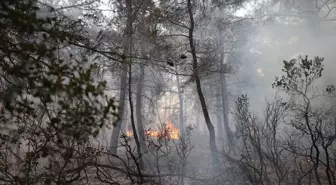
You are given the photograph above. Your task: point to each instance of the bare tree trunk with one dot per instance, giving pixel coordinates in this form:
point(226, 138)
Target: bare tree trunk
point(219, 115)
point(213, 147)
point(135, 134)
point(138, 108)
point(122, 94)
point(123, 86)
point(125, 120)
point(181, 103)
point(140, 86)
point(197, 122)
point(225, 105)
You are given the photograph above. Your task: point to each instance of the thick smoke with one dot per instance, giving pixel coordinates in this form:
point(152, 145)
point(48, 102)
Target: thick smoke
point(284, 37)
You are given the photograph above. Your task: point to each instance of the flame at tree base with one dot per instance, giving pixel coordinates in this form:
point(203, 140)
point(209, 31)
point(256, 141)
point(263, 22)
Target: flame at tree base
point(169, 131)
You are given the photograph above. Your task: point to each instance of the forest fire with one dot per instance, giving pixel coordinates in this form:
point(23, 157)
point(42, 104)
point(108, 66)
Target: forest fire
point(169, 131)
point(129, 133)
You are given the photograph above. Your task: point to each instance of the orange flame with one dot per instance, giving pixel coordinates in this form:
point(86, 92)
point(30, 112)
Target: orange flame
point(169, 132)
point(173, 132)
point(129, 133)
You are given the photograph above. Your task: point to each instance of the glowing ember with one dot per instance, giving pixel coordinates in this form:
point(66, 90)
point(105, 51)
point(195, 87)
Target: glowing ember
point(129, 133)
point(152, 133)
point(169, 132)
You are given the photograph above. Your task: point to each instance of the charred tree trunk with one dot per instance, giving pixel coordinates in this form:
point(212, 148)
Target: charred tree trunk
point(213, 147)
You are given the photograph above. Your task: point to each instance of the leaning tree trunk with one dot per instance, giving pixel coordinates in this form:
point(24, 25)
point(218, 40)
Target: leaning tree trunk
point(213, 147)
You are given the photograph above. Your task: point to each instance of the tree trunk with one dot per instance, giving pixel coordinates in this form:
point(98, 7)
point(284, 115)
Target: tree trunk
point(213, 147)
point(125, 120)
point(135, 133)
point(123, 83)
point(225, 105)
point(181, 104)
point(122, 94)
point(139, 163)
point(138, 108)
point(182, 169)
point(123, 87)
point(197, 122)
point(140, 86)
point(219, 115)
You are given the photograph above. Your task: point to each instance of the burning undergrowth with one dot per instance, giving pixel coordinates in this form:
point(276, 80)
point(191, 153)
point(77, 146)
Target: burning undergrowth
point(168, 131)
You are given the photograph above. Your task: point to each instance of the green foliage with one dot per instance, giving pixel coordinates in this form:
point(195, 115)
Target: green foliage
point(299, 74)
point(47, 92)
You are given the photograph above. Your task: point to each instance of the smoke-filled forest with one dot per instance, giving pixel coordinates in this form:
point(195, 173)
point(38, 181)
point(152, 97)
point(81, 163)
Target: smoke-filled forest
point(167, 92)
